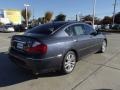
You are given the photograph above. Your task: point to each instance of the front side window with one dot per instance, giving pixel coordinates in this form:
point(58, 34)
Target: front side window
point(79, 30)
point(75, 30)
point(88, 29)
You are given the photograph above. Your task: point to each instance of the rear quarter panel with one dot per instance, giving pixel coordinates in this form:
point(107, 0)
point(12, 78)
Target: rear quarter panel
point(58, 46)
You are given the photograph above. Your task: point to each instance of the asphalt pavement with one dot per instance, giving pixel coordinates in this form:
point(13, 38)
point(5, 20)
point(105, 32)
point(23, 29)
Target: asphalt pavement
point(96, 72)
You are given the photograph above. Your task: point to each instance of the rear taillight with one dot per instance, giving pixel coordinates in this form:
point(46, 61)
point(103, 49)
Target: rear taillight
point(37, 48)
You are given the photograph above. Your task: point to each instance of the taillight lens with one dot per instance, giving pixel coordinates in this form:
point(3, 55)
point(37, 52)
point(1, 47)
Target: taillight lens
point(37, 48)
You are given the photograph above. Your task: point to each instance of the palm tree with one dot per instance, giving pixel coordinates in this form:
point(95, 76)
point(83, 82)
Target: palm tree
point(26, 18)
point(48, 16)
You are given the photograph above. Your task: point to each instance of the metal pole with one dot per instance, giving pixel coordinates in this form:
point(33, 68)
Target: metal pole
point(80, 17)
point(26, 17)
point(33, 14)
point(94, 5)
point(26, 10)
point(114, 12)
point(76, 17)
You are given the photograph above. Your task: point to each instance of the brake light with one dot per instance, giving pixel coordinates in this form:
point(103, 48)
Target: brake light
point(37, 48)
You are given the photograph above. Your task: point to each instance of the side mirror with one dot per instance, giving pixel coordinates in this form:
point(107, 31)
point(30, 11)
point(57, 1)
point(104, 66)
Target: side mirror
point(98, 31)
point(94, 33)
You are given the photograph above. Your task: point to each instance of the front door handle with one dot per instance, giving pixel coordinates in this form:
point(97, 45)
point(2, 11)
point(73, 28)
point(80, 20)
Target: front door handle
point(75, 40)
point(91, 36)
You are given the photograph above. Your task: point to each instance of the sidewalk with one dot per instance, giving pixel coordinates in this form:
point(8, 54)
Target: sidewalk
point(106, 77)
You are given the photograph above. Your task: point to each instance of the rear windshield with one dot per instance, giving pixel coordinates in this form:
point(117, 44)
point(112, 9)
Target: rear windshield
point(45, 29)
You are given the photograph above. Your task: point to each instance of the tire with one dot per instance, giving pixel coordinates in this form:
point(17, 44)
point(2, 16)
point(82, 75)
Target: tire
point(69, 62)
point(103, 47)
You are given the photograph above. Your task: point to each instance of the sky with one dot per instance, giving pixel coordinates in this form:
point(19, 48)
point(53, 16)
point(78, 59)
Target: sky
point(67, 7)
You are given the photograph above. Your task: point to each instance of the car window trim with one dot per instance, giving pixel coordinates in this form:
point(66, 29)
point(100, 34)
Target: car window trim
point(90, 27)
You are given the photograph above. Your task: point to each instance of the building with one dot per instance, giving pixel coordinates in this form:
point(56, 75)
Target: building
point(10, 16)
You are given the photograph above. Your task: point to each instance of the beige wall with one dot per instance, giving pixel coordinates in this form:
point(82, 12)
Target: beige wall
point(14, 16)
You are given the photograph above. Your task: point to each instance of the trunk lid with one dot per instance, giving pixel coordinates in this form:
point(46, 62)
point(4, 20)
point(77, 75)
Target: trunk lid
point(21, 42)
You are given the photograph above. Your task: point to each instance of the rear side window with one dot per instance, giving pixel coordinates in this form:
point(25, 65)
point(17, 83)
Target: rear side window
point(45, 29)
point(70, 31)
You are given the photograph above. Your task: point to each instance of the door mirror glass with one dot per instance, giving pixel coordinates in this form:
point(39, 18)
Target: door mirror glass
point(94, 33)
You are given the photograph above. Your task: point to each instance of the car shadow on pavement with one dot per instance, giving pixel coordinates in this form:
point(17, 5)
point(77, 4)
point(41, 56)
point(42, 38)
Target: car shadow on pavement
point(10, 74)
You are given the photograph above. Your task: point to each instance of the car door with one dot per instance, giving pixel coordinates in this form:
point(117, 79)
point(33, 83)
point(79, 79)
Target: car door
point(92, 37)
point(85, 42)
point(82, 42)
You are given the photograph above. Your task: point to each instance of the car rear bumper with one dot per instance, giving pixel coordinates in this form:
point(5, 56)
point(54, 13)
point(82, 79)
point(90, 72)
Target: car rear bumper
point(37, 65)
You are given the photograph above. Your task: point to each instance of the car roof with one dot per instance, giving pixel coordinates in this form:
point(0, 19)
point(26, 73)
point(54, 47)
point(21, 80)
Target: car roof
point(65, 22)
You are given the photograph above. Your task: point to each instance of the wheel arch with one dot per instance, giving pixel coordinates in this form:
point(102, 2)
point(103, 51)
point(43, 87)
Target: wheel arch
point(77, 56)
point(106, 41)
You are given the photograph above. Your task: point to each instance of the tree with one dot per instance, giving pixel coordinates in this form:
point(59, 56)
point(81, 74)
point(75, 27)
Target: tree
point(87, 18)
point(40, 20)
point(97, 21)
point(34, 22)
point(48, 16)
point(1, 24)
point(90, 18)
point(60, 17)
point(117, 18)
point(24, 14)
point(106, 20)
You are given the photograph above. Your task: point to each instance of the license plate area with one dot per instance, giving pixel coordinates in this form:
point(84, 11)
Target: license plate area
point(20, 43)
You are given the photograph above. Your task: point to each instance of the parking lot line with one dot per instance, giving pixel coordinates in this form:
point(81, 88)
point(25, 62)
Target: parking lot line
point(4, 48)
point(4, 39)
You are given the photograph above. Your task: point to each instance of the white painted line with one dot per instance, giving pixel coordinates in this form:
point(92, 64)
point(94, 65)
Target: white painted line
point(4, 48)
point(4, 39)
